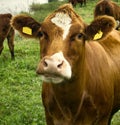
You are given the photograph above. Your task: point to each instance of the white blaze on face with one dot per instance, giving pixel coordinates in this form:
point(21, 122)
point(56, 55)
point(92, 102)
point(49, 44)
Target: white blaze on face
point(64, 21)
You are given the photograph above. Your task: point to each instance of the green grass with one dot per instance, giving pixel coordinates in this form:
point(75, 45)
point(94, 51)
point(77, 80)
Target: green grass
point(20, 87)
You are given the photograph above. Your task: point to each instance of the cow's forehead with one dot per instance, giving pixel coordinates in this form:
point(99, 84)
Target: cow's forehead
point(63, 18)
point(63, 21)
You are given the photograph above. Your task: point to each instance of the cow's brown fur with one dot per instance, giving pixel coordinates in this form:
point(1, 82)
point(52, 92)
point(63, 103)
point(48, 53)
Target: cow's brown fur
point(6, 31)
point(92, 95)
point(75, 2)
point(108, 7)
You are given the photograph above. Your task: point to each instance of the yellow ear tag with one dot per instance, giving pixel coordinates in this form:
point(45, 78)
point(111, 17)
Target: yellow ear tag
point(98, 35)
point(27, 30)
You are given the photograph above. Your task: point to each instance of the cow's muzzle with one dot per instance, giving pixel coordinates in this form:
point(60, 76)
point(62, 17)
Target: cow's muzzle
point(54, 69)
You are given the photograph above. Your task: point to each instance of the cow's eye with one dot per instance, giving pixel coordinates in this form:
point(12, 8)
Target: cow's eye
point(40, 34)
point(79, 36)
point(76, 36)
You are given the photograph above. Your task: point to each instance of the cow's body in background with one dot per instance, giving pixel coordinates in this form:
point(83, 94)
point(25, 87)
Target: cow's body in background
point(6, 31)
point(110, 8)
point(80, 66)
point(75, 2)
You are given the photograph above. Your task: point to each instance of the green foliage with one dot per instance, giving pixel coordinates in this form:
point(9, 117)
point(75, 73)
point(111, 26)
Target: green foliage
point(20, 87)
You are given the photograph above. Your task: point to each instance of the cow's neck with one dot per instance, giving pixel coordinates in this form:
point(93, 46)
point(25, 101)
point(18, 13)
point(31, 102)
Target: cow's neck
point(69, 90)
point(69, 99)
point(70, 94)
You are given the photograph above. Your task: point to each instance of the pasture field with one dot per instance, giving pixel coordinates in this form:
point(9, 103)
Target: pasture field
point(20, 87)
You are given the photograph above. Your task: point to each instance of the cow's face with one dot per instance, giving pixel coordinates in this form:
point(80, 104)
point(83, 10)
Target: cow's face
point(61, 38)
point(62, 41)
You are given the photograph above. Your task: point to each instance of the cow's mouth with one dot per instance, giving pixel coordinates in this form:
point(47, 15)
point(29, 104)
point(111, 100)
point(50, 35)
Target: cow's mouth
point(52, 78)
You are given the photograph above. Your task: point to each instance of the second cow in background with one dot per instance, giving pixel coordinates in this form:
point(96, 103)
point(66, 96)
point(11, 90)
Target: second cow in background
point(6, 31)
point(74, 2)
point(110, 8)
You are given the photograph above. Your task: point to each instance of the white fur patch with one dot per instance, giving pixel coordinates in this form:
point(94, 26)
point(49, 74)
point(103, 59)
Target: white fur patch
point(64, 21)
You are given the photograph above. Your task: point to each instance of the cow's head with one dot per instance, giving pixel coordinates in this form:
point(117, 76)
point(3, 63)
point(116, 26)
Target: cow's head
point(62, 40)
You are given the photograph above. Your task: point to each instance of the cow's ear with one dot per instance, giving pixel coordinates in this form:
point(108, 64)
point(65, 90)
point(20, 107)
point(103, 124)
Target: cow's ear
point(26, 25)
point(100, 27)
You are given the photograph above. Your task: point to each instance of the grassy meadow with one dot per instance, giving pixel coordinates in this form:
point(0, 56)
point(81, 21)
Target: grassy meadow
point(20, 87)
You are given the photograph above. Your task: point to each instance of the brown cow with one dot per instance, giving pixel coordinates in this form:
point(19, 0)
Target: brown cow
point(80, 66)
point(74, 2)
point(6, 31)
point(107, 7)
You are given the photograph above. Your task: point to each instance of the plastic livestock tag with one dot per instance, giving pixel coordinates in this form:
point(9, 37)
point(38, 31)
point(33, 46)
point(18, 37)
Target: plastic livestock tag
point(27, 30)
point(98, 35)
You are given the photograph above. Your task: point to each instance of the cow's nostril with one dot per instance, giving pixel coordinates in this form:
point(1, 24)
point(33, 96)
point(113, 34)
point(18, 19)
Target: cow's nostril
point(60, 65)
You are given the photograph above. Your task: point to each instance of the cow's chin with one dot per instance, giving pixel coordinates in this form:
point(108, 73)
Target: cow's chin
point(53, 79)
